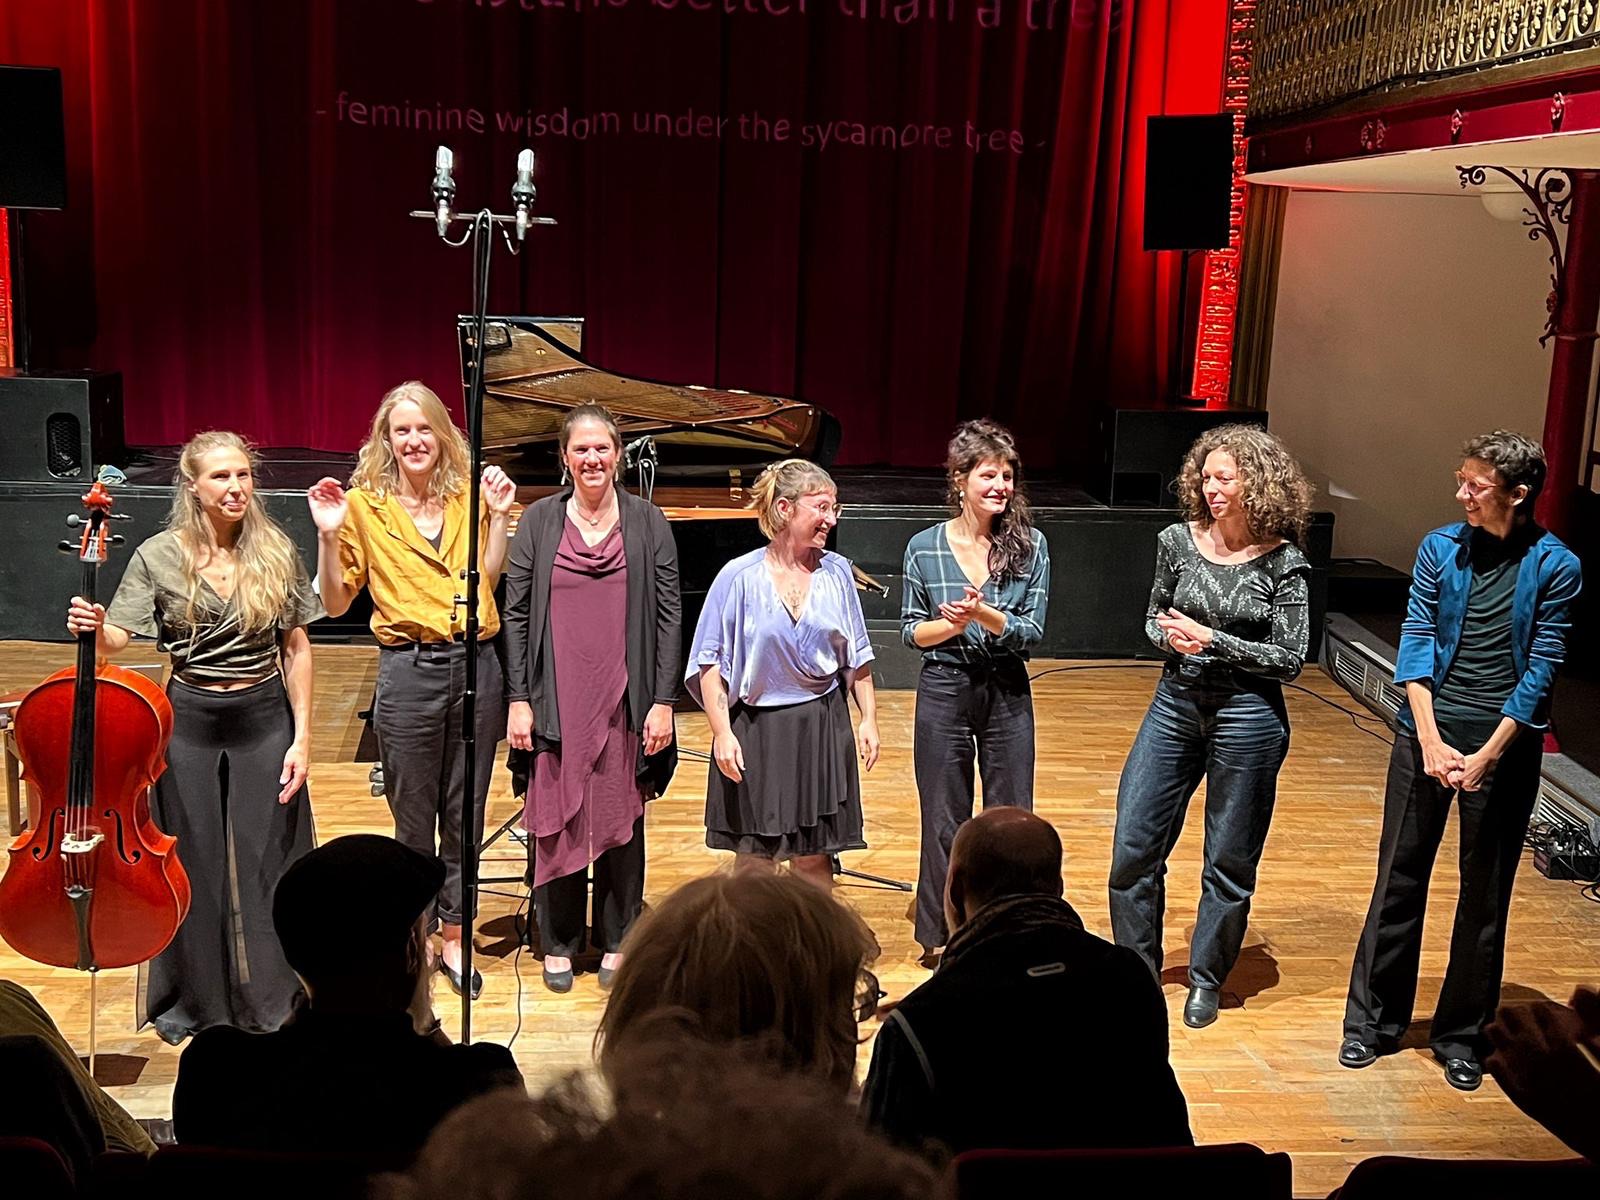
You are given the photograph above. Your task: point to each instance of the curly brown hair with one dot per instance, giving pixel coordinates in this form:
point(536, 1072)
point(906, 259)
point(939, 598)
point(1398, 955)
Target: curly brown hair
point(1011, 539)
point(1277, 496)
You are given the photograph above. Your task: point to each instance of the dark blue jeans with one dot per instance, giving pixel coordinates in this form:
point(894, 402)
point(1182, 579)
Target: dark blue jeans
point(1233, 731)
point(962, 711)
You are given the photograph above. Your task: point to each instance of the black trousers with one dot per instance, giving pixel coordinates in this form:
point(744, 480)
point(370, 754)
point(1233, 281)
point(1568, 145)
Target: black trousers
point(1494, 821)
point(562, 904)
point(219, 798)
point(417, 717)
point(963, 712)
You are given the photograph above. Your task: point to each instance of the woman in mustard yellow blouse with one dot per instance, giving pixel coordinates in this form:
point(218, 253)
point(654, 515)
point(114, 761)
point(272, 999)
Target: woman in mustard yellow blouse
point(401, 532)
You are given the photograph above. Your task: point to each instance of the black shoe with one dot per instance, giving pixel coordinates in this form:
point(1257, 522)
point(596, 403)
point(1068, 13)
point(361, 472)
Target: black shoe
point(1201, 1007)
point(172, 1035)
point(557, 981)
point(1463, 1074)
point(606, 975)
point(1355, 1053)
point(454, 977)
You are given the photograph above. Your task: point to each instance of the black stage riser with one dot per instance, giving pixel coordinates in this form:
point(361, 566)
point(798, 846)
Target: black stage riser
point(1101, 565)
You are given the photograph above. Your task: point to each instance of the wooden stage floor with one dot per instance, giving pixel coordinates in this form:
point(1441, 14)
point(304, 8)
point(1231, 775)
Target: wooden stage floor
point(1265, 1072)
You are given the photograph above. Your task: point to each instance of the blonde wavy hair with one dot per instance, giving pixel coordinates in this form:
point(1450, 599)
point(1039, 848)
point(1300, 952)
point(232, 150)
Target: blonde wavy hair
point(767, 962)
point(267, 561)
point(378, 472)
point(788, 479)
point(1277, 496)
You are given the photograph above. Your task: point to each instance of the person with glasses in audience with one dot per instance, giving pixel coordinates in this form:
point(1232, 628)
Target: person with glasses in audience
point(779, 642)
point(1485, 630)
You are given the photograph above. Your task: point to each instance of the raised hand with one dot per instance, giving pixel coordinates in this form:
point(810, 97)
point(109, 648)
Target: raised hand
point(499, 493)
point(328, 504)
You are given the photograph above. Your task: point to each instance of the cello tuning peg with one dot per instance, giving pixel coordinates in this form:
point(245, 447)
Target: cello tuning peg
point(117, 539)
point(67, 547)
point(116, 516)
point(74, 520)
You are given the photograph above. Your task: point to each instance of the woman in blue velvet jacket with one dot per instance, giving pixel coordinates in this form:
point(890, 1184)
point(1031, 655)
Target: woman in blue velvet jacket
point(1485, 629)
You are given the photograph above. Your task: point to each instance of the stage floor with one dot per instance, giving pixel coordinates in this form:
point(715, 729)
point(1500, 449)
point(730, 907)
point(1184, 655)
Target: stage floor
point(1264, 1073)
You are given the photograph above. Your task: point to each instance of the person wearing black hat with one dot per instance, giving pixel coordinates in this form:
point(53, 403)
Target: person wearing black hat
point(363, 1067)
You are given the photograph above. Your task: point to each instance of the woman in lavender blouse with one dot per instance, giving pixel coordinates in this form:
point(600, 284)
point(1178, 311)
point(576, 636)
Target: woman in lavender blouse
point(780, 640)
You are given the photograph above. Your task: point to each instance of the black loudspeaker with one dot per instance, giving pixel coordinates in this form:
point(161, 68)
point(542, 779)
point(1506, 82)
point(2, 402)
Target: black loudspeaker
point(1188, 182)
point(1148, 445)
point(59, 428)
point(33, 139)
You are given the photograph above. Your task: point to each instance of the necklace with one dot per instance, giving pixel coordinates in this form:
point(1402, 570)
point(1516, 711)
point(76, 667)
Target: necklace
point(593, 521)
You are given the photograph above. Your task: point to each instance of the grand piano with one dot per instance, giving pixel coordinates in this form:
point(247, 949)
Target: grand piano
point(694, 451)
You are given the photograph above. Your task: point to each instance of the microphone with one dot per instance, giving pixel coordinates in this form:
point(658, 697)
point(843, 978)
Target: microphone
point(522, 192)
point(444, 188)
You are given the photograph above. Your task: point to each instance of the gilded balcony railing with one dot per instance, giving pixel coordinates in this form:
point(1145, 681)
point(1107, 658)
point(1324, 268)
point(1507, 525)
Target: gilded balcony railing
point(1314, 53)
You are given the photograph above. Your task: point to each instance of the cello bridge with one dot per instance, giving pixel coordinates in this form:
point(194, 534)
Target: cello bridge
point(81, 843)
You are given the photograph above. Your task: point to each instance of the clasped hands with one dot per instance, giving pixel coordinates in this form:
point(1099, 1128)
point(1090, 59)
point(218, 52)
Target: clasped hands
point(1454, 769)
point(1184, 634)
point(960, 612)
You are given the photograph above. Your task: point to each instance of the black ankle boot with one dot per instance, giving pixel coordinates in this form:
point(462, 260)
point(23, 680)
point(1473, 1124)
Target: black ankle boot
point(1201, 1007)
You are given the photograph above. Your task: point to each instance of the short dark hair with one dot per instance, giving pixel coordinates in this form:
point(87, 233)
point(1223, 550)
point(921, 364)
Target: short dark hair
point(1519, 461)
point(1007, 852)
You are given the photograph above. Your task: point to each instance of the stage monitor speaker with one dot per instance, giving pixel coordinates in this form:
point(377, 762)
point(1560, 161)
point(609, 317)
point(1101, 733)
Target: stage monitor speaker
point(59, 428)
point(1188, 182)
point(1148, 445)
point(33, 139)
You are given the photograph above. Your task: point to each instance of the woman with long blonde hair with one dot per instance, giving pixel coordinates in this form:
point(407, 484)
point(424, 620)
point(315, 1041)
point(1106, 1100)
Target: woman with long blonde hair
point(780, 641)
point(401, 532)
point(1229, 609)
point(223, 591)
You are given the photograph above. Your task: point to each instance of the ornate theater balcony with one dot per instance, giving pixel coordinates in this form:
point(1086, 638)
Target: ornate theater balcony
point(1316, 57)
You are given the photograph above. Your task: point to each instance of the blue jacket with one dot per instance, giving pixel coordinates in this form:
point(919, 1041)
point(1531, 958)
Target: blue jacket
point(1548, 580)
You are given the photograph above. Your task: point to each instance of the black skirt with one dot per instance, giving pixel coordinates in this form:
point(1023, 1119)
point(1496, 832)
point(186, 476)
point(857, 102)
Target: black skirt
point(801, 792)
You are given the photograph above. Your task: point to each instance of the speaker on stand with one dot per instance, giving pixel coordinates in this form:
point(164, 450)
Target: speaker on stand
point(1188, 192)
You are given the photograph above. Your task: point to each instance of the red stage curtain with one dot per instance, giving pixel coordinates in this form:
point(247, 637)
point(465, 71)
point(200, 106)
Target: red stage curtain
point(237, 244)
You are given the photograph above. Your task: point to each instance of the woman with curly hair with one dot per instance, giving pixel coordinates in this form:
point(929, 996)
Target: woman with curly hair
point(976, 588)
point(223, 591)
point(1229, 610)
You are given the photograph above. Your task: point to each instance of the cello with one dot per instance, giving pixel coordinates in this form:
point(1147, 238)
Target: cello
point(94, 882)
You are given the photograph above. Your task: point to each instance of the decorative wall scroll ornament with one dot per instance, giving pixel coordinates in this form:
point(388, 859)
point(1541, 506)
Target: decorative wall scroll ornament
point(1558, 110)
point(1457, 123)
point(1549, 195)
point(1308, 145)
point(1219, 277)
point(1372, 134)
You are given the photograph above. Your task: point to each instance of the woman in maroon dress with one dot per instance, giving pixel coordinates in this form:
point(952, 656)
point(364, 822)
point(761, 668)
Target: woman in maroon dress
point(592, 617)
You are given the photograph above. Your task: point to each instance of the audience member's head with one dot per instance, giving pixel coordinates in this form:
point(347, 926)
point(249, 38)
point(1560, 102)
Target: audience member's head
point(765, 960)
point(999, 853)
point(352, 916)
point(698, 1122)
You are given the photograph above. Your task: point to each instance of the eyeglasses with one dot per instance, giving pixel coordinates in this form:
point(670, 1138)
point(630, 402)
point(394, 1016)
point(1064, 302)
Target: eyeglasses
point(827, 508)
point(868, 994)
point(1475, 487)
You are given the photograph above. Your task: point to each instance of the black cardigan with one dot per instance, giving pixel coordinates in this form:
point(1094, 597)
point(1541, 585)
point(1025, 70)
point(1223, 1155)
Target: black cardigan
point(655, 630)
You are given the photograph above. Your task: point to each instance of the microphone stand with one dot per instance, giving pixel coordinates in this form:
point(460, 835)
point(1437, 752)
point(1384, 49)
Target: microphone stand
point(480, 233)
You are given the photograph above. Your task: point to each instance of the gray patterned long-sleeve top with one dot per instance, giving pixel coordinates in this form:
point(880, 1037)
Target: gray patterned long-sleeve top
point(1258, 610)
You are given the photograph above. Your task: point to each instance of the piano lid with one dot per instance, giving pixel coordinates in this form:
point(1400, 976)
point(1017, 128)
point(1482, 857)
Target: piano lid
point(534, 374)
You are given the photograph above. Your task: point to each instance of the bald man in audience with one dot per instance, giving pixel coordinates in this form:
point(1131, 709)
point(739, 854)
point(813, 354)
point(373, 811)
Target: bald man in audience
point(1033, 1033)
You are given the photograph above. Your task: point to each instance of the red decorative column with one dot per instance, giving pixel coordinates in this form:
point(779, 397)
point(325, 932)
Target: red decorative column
point(1577, 308)
point(8, 356)
point(1219, 278)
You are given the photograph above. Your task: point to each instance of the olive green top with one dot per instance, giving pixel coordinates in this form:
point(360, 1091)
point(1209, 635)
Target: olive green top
point(153, 601)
